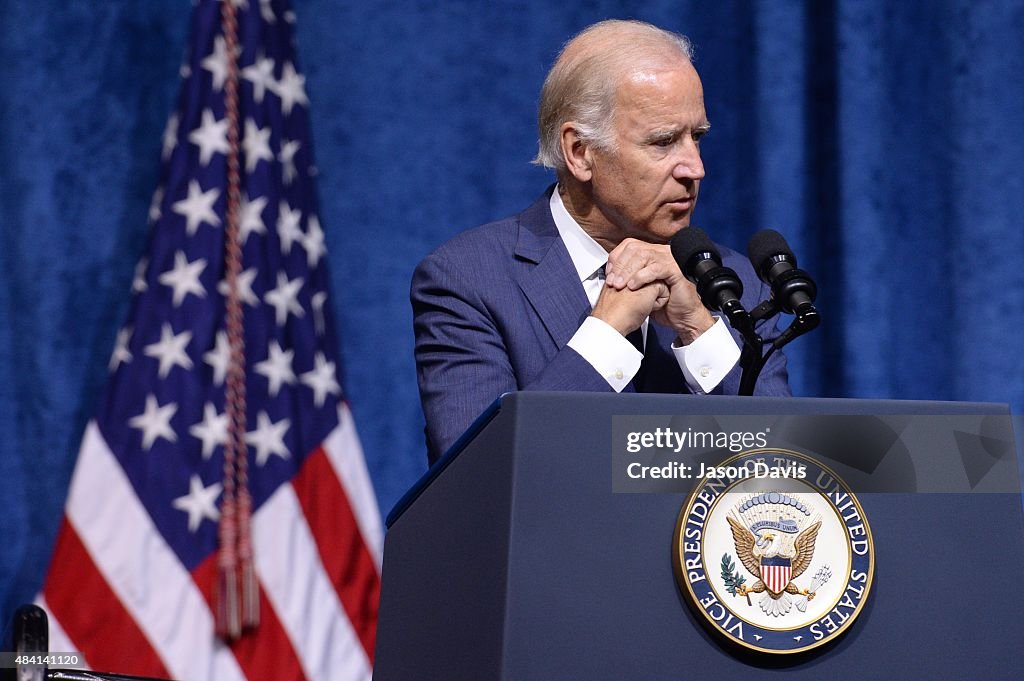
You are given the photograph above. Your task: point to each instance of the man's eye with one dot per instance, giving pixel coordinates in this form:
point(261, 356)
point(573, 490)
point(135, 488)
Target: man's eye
point(664, 142)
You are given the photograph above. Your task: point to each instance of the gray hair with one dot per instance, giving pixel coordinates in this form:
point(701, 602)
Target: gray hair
point(581, 85)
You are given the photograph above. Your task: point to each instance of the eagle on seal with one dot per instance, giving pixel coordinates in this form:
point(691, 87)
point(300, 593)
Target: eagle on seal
point(763, 555)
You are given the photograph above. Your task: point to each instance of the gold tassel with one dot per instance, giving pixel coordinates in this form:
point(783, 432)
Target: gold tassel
point(229, 625)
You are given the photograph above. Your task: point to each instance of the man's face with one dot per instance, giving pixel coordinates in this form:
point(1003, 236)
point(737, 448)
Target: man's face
point(646, 187)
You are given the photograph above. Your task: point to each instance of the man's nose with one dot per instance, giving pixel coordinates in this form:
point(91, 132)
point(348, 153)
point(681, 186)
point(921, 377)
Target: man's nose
point(689, 166)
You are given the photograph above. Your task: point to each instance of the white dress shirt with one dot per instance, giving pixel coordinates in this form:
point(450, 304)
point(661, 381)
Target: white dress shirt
point(704, 362)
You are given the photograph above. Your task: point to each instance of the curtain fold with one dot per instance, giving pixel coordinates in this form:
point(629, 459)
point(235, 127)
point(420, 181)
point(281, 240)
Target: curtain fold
point(883, 138)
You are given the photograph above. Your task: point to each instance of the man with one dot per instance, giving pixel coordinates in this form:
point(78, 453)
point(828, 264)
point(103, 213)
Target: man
point(580, 291)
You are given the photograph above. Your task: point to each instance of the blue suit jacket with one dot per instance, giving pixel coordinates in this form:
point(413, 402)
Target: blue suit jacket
point(494, 308)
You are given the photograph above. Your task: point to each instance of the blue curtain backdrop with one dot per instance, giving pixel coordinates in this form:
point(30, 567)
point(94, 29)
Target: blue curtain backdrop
point(884, 138)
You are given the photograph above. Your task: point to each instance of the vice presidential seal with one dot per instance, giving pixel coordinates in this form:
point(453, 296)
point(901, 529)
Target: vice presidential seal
point(774, 563)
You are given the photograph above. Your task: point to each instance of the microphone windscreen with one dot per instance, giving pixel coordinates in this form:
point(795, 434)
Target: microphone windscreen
point(689, 241)
point(766, 244)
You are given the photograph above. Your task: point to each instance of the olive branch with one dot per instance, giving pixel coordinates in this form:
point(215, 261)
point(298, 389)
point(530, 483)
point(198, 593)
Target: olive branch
point(730, 575)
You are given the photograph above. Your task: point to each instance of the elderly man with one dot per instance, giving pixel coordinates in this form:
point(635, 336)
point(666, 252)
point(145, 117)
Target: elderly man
point(580, 291)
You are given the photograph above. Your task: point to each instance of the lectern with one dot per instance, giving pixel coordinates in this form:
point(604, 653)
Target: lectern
point(517, 559)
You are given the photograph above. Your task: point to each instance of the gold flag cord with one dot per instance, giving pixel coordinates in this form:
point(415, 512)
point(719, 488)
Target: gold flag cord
point(237, 595)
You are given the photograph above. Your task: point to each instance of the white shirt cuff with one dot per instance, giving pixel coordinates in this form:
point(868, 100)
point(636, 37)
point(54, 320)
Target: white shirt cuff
point(709, 358)
point(608, 352)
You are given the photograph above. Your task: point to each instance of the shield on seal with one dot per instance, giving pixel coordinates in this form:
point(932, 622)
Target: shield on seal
point(775, 573)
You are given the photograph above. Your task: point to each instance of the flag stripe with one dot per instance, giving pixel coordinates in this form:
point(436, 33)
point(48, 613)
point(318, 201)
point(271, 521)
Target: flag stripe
point(140, 568)
point(265, 653)
point(93, 615)
point(776, 577)
point(345, 453)
point(349, 566)
point(303, 598)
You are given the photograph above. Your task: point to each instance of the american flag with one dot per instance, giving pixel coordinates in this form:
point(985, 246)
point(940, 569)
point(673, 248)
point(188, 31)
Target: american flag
point(132, 583)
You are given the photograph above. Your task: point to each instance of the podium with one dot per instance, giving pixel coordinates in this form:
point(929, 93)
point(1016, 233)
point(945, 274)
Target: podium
point(514, 559)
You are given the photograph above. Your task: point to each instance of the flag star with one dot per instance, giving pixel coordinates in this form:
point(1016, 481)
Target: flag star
point(139, 284)
point(256, 145)
point(197, 207)
point(212, 430)
point(288, 229)
point(217, 63)
point(170, 350)
point(199, 503)
point(268, 438)
point(245, 292)
point(211, 137)
point(155, 422)
point(277, 367)
point(321, 379)
point(251, 218)
point(291, 88)
point(121, 353)
point(284, 298)
point(185, 71)
point(184, 278)
point(289, 16)
point(267, 11)
point(219, 357)
point(287, 158)
point(154, 205)
point(261, 74)
point(170, 137)
point(313, 242)
point(317, 300)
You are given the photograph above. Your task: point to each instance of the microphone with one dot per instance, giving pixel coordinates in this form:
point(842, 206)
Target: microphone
point(792, 289)
point(31, 637)
point(719, 287)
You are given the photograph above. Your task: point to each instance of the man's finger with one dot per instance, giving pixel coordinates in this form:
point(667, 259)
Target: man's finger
point(635, 263)
point(654, 271)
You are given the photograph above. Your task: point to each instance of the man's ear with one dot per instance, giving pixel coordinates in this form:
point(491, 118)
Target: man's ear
point(577, 153)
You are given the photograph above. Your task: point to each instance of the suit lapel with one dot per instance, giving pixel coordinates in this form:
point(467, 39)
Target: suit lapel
point(548, 279)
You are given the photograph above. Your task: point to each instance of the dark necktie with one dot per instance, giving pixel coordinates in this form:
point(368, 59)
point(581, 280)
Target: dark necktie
point(636, 337)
